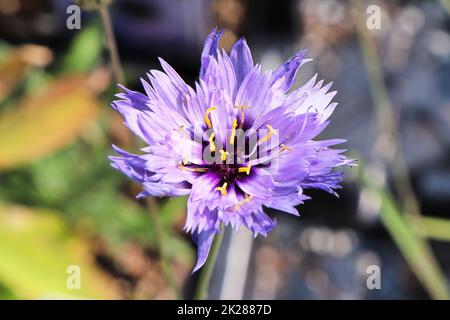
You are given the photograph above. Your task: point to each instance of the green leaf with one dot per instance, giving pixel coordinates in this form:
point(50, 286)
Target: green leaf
point(414, 249)
point(435, 228)
point(173, 211)
point(446, 5)
point(178, 249)
point(85, 51)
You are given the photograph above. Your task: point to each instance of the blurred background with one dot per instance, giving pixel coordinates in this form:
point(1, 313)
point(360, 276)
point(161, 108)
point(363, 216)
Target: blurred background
point(62, 205)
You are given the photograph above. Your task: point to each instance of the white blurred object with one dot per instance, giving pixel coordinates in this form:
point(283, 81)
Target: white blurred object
point(238, 257)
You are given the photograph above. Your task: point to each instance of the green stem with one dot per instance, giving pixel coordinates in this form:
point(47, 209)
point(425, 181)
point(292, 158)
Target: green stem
point(208, 268)
point(160, 236)
point(112, 46)
point(415, 250)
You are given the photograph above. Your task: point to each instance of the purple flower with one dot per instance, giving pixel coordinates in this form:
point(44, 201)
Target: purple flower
point(238, 142)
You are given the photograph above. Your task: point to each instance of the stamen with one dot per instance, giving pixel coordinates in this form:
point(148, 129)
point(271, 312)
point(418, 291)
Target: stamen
point(223, 189)
point(224, 155)
point(192, 169)
point(285, 148)
point(212, 145)
point(271, 131)
point(240, 203)
point(242, 114)
point(205, 117)
point(245, 169)
point(233, 132)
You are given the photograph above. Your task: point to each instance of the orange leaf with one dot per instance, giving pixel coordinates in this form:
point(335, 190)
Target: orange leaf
point(15, 65)
point(47, 122)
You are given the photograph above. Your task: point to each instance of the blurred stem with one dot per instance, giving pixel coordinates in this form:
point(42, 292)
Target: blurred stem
point(118, 131)
point(386, 124)
point(160, 237)
point(208, 268)
point(112, 45)
point(418, 254)
point(414, 249)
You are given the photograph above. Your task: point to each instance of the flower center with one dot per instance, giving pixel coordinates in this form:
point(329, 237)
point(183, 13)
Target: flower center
point(228, 173)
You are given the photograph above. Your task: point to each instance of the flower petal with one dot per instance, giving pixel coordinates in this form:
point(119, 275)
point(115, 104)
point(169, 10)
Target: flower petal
point(241, 57)
point(288, 70)
point(210, 48)
point(132, 105)
point(259, 223)
point(254, 93)
point(204, 186)
point(257, 185)
point(204, 241)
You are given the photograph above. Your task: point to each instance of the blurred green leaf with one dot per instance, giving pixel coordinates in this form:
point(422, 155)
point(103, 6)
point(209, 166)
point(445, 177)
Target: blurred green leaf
point(446, 5)
point(178, 248)
point(36, 80)
point(85, 51)
point(435, 228)
point(5, 47)
point(36, 249)
point(6, 293)
point(46, 122)
point(116, 217)
point(414, 249)
point(121, 219)
point(173, 211)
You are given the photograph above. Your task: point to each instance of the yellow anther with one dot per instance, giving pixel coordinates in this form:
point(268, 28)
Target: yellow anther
point(247, 199)
point(233, 132)
point(223, 189)
point(245, 169)
point(285, 148)
point(240, 203)
point(212, 145)
point(223, 155)
point(205, 117)
point(271, 131)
